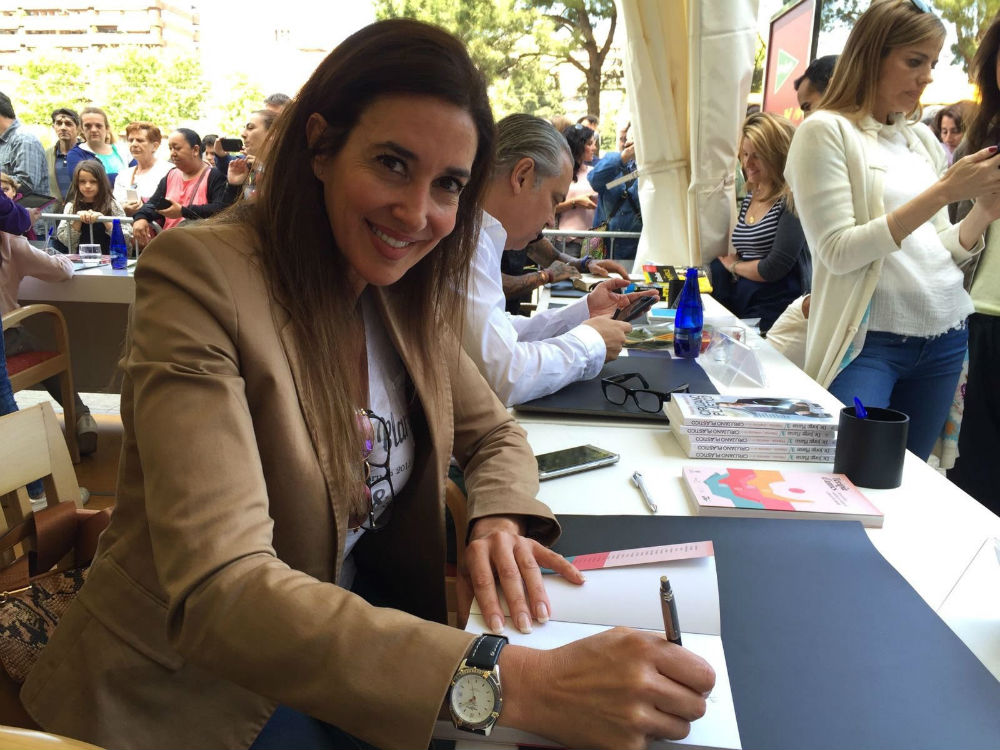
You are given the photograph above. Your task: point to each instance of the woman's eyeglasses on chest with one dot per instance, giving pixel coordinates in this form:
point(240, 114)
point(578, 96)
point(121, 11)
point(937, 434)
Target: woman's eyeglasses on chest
point(374, 430)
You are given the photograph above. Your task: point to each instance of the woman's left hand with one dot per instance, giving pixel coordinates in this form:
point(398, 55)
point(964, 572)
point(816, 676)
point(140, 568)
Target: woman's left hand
point(604, 301)
point(498, 549)
point(173, 211)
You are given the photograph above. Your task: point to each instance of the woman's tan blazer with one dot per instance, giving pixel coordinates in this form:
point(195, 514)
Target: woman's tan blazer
point(210, 600)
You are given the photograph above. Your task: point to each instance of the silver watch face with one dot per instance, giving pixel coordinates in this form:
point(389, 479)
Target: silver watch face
point(474, 699)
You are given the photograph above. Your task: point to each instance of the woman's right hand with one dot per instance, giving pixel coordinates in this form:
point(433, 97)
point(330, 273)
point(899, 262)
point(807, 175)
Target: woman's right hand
point(618, 689)
point(238, 171)
point(130, 207)
point(142, 232)
point(973, 175)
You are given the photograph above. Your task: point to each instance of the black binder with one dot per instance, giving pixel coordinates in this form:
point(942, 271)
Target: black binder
point(661, 371)
point(827, 645)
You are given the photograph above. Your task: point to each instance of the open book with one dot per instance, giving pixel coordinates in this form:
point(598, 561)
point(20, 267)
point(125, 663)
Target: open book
point(629, 596)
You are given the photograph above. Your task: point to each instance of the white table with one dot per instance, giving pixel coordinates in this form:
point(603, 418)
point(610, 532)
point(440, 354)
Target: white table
point(95, 304)
point(932, 529)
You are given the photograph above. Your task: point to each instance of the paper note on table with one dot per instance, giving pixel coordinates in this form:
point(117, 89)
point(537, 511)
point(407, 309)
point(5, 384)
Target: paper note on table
point(630, 596)
point(639, 556)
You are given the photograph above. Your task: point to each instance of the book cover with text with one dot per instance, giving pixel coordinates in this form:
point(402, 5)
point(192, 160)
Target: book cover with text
point(772, 493)
point(718, 410)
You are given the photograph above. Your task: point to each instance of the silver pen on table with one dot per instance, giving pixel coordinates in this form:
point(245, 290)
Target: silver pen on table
point(637, 481)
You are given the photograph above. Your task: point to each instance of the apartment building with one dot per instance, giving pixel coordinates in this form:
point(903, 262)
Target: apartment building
point(78, 27)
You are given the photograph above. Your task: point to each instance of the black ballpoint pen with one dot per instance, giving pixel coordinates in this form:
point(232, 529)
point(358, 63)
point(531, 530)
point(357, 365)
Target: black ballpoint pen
point(669, 606)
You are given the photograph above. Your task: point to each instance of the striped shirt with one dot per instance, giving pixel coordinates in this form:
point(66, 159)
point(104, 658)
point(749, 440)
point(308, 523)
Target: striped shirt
point(754, 241)
point(22, 157)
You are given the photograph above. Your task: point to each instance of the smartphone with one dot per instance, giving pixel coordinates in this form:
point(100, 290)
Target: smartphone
point(163, 203)
point(232, 145)
point(36, 200)
point(635, 309)
point(131, 195)
point(573, 460)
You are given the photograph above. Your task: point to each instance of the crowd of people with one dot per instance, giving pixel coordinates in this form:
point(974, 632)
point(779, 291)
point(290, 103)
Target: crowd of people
point(301, 367)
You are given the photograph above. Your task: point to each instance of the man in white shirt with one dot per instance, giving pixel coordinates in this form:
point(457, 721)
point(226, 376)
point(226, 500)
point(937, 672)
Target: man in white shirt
point(525, 358)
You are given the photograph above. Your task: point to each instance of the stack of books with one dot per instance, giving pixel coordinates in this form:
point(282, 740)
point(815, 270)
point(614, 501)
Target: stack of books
point(752, 427)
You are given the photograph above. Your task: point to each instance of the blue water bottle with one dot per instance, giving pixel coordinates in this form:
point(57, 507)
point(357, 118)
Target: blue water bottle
point(119, 250)
point(690, 318)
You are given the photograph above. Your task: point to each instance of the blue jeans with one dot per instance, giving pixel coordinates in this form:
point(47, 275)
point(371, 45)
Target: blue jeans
point(914, 375)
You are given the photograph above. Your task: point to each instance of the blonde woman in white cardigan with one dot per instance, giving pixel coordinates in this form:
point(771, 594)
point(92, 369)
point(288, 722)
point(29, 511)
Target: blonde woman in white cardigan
point(888, 309)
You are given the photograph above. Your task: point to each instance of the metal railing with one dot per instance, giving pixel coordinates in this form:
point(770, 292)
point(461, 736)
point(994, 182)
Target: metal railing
point(559, 237)
point(55, 218)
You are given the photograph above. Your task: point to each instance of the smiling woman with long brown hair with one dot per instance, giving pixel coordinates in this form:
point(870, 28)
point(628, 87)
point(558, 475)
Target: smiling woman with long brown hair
point(293, 390)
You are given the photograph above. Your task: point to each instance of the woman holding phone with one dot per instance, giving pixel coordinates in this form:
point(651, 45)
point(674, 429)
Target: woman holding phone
point(136, 184)
point(191, 190)
point(274, 570)
point(242, 173)
point(888, 311)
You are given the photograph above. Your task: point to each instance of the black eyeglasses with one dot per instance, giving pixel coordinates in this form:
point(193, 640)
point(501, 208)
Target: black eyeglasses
point(373, 428)
point(645, 399)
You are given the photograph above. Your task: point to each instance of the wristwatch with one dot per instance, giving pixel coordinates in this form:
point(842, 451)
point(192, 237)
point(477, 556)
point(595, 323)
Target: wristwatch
point(584, 262)
point(544, 277)
point(474, 697)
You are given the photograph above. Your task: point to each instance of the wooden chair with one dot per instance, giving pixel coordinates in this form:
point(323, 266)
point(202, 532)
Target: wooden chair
point(31, 368)
point(454, 498)
point(31, 447)
point(15, 738)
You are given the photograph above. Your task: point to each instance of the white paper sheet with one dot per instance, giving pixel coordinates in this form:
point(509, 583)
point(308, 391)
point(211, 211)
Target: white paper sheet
point(630, 596)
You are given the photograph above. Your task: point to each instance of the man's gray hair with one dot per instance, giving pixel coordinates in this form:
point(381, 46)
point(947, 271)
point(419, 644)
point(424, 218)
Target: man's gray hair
point(520, 136)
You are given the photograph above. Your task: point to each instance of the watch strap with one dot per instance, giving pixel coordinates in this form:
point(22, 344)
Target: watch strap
point(485, 651)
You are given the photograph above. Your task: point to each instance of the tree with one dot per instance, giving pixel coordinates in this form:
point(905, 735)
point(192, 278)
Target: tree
point(579, 18)
point(137, 85)
point(47, 83)
point(245, 97)
point(840, 13)
point(759, 58)
point(971, 19)
point(504, 39)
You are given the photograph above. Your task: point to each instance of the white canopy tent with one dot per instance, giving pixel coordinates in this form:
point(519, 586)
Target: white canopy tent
point(688, 70)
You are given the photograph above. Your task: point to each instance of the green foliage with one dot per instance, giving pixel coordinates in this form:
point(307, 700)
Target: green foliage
point(136, 85)
point(503, 40)
point(971, 19)
point(245, 97)
point(840, 13)
point(759, 58)
point(131, 85)
point(47, 83)
point(519, 45)
point(580, 43)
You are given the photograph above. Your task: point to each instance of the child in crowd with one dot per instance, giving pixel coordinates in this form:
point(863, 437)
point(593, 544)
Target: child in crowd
point(90, 197)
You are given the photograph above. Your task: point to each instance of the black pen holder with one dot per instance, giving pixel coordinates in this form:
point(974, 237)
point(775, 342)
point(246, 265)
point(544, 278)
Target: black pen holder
point(870, 451)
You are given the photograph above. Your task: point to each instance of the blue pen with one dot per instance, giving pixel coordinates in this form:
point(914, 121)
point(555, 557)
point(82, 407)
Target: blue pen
point(48, 238)
point(859, 409)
